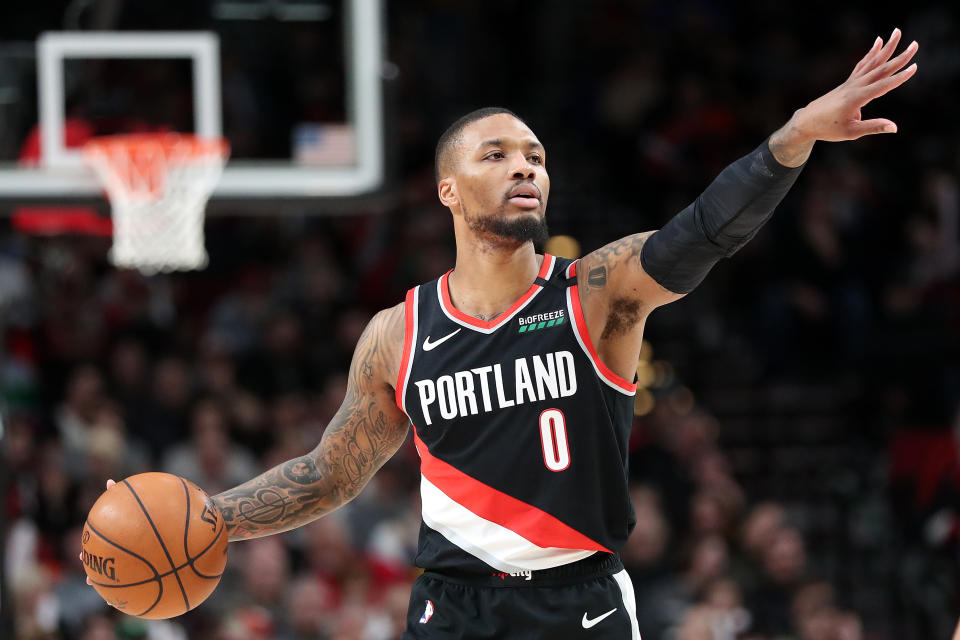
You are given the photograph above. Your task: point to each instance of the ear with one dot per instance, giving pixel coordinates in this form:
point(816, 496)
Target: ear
point(447, 190)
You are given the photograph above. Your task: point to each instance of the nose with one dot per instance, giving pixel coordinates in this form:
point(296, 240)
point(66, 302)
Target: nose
point(523, 169)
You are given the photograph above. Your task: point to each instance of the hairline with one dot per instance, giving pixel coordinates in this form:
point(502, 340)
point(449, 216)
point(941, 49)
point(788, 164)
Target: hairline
point(453, 135)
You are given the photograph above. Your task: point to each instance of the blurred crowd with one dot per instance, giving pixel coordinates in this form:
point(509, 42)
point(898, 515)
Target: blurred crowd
point(854, 286)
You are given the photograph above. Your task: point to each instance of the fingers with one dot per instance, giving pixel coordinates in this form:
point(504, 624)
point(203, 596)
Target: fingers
point(110, 483)
point(862, 128)
point(884, 54)
point(891, 45)
point(893, 65)
point(81, 562)
point(878, 56)
point(880, 87)
point(873, 51)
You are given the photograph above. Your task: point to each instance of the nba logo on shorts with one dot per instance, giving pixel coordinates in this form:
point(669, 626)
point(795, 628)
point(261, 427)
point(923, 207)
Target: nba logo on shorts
point(427, 612)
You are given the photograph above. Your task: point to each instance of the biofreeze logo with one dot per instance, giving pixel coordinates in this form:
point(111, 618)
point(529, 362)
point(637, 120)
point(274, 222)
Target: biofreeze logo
point(541, 317)
point(468, 392)
point(540, 321)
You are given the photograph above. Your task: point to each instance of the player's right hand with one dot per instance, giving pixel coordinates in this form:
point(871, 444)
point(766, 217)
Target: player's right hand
point(837, 115)
point(110, 483)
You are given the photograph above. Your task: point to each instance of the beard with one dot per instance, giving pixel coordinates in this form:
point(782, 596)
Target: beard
point(503, 230)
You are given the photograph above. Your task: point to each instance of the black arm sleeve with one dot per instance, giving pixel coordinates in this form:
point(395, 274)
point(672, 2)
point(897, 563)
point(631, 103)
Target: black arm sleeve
point(720, 221)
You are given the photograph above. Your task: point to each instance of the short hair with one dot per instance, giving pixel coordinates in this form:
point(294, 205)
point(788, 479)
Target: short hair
point(449, 139)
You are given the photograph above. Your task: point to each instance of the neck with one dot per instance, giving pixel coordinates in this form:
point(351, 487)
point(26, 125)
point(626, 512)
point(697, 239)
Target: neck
point(487, 280)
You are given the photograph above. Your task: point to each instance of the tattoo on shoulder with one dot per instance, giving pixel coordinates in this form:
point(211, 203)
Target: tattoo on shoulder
point(622, 250)
point(597, 277)
point(603, 262)
point(378, 349)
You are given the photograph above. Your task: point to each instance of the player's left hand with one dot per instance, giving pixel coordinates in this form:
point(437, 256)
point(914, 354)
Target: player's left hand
point(836, 116)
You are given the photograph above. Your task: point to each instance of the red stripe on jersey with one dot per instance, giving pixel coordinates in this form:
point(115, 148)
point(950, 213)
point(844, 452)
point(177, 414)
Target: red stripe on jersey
point(533, 524)
point(585, 336)
point(409, 310)
point(572, 269)
point(490, 324)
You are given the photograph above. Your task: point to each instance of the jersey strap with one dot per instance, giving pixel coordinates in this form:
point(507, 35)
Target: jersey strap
point(609, 378)
point(410, 327)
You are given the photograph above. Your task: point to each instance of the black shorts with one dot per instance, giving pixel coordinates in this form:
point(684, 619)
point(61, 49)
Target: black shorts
point(592, 599)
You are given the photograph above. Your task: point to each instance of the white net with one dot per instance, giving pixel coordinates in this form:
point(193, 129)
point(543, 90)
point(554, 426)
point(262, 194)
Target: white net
point(158, 185)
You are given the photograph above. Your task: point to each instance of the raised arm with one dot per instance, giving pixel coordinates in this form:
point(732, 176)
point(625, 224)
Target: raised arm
point(361, 437)
point(660, 267)
point(622, 282)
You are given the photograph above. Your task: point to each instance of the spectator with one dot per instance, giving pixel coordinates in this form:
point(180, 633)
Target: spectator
point(76, 415)
point(162, 422)
point(784, 567)
point(210, 459)
point(309, 611)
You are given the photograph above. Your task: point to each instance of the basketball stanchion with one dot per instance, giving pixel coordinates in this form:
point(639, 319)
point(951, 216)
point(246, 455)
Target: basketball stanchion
point(158, 185)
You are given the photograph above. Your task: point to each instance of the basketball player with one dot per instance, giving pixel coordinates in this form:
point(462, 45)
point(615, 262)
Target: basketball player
point(517, 372)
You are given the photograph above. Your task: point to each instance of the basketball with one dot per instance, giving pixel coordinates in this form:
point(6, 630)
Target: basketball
point(154, 545)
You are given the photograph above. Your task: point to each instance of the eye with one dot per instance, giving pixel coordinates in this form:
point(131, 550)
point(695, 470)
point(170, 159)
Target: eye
point(496, 155)
point(536, 158)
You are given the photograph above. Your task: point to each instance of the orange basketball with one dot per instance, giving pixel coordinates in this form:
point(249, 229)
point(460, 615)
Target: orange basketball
point(154, 545)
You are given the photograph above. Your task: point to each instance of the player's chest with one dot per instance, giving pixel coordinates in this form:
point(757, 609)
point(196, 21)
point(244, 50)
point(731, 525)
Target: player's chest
point(458, 373)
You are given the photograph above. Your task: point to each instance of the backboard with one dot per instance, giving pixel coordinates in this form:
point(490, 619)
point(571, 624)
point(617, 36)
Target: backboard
point(294, 86)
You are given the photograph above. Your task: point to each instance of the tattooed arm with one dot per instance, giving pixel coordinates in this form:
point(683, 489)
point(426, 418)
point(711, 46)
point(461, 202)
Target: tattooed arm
point(365, 432)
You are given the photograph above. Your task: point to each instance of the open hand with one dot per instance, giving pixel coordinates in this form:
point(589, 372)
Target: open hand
point(110, 483)
point(836, 116)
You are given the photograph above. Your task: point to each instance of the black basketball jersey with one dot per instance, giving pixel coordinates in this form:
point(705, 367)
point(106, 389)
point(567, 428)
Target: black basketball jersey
point(521, 429)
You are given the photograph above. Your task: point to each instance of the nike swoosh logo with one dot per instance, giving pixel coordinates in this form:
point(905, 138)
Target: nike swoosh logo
point(587, 623)
point(427, 345)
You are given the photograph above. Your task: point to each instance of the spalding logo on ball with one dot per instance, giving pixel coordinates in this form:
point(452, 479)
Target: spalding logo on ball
point(154, 545)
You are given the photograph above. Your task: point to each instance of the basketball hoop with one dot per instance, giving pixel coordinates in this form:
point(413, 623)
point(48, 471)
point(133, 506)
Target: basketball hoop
point(158, 185)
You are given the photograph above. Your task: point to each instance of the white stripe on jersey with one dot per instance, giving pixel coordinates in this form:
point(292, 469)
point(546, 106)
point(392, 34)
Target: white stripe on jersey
point(576, 332)
point(553, 263)
point(413, 347)
point(498, 546)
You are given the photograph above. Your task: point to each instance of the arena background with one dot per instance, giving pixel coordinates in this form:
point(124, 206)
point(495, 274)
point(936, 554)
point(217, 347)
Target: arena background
point(794, 462)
